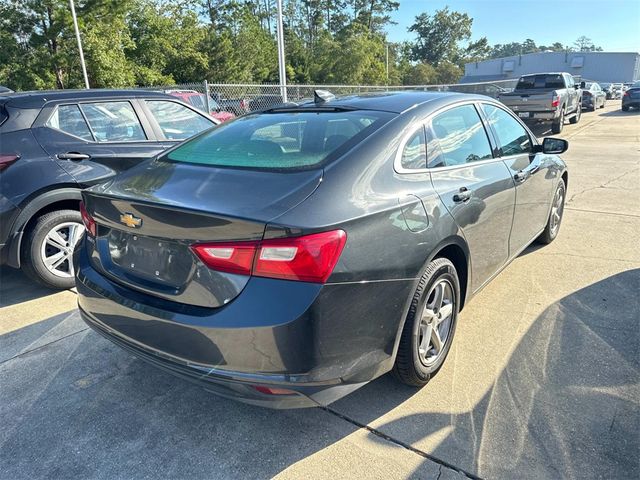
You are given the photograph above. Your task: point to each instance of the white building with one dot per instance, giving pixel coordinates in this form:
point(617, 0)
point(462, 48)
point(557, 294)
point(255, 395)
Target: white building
point(598, 66)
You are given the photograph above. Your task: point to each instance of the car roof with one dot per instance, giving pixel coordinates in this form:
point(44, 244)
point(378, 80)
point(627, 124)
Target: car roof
point(37, 99)
point(395, 102)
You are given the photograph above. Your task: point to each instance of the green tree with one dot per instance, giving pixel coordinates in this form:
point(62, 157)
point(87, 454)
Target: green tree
point(439, 35)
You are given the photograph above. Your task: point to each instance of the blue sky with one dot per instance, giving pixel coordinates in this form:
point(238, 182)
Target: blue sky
point(612, 24)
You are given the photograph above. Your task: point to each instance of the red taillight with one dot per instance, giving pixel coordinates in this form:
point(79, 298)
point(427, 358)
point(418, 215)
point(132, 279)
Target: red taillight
point(228, 257)
point(89, 222)
point(627, 93)
point(555, 101)
point(310, 258)
point(7, 159)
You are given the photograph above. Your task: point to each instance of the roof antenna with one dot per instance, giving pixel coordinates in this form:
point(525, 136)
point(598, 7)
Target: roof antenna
point(322, 96)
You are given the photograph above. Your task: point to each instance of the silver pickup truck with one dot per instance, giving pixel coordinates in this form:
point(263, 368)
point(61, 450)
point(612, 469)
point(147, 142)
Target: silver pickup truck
point(546, 97)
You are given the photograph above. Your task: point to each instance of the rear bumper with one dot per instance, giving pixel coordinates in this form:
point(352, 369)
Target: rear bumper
point(318, 341)
point(537, 116)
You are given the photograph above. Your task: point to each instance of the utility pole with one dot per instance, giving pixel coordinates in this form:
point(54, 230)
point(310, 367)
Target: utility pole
point(281, 63)
point(387, 60)
point(75, 26)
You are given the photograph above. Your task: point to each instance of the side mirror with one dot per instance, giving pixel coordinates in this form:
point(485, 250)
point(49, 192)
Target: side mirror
point(554, 146)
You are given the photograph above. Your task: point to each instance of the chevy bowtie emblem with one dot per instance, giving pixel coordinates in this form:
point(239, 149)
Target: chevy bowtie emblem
point(130, 221)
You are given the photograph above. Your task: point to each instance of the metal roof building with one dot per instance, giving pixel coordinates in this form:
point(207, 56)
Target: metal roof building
point(598, 66)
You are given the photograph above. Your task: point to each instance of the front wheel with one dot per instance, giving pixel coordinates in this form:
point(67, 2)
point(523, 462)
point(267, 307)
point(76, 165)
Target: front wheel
point(555, 216)
point(430, 325)
point(48, 248)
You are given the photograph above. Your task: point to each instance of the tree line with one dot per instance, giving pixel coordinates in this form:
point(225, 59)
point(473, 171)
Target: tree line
point(163, 42)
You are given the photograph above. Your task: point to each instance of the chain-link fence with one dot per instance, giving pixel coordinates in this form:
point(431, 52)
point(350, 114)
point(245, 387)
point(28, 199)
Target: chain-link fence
point(239, 99)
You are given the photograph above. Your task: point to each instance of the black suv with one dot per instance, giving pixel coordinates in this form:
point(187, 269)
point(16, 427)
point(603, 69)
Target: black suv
point(55, 143)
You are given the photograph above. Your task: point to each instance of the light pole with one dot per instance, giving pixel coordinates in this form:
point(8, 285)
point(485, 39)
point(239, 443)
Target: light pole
point(281, 65)
point(75, 26)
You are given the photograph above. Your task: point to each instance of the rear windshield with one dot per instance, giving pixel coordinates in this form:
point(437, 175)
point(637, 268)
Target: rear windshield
point(280, 140)
point(540, 81)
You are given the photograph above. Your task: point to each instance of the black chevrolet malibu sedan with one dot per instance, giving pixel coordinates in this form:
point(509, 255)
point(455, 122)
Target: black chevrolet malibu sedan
point(288, 257)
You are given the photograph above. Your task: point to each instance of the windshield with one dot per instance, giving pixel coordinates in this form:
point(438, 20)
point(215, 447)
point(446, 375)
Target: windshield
point(540, 81)
point(281, 140)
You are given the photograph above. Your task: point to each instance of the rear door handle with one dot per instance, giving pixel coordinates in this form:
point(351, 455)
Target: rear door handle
point(463, 195)
point(73, 156)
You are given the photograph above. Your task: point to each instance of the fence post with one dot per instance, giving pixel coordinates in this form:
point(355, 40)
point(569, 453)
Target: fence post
point(206, 97)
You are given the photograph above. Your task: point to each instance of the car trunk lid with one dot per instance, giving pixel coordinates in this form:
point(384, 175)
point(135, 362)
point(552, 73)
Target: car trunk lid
point(147, 224)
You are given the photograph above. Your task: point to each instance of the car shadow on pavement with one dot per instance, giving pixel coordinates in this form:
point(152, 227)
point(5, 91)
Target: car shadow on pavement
point(620, 113)
point(15, 287)
point(567, 404)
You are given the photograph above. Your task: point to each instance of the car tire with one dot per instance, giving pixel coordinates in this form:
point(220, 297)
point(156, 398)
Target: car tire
point(625, 109)
point(43, 246)
point(557, 125)
point(604, 101)
point(418, 359)
point(576, 118)
point(552, 227)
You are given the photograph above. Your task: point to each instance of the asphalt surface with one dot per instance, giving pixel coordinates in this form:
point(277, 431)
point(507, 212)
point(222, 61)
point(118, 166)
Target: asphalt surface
point(543, 380)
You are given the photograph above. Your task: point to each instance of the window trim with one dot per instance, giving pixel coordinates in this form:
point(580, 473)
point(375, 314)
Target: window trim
point(397, 165)
point(44, 117)
point(55, 108)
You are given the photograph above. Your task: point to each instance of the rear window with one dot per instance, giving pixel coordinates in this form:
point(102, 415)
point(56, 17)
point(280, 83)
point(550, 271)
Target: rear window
point(3, 115)
point(540, 81)
point(281, 140)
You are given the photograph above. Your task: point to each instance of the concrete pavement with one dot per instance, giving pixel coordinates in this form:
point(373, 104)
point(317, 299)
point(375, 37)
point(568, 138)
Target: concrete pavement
point(543, 380)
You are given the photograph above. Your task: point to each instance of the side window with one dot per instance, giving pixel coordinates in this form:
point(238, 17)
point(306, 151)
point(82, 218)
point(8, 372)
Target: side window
point(176, 121)
point(113, 121)
point(414, 154)
point(69, 119)
point(512, 136)
point(456, 137)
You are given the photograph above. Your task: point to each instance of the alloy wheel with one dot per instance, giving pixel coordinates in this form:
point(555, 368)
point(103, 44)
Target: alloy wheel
point(556, 210)
point(57, 248)
point(436, 322)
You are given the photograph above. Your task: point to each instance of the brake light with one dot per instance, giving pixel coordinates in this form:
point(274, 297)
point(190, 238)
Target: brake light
point(228, 257)
point(310, 258)
point(627, 93)
point(89, 222)
point(555, 101)
point(7, 159)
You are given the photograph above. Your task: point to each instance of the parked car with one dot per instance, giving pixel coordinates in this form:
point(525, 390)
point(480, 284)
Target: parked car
point(237, 106)
point(198, 100)
point(617, 90)
point(631, 98)
point(546, 97)
point(607, 88)
point(56, 143)
point(264, 102)
point(593, 97)
point(288, 257)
